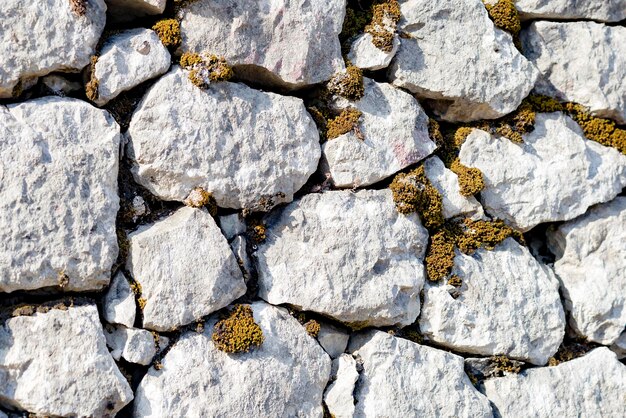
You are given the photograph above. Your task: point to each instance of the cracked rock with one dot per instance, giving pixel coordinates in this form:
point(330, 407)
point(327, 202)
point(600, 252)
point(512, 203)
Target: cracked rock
point(134, 345)
point(338, 395)
point(119, 302)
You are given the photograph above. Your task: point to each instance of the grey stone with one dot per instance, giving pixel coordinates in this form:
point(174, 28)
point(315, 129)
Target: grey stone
point(338, 396)
point(332, 339)
point(605, 10)
point(619, 346)
point(232, 225)
point(119, 302)
point(134, 345)
point(125, 10)
point(364, 54)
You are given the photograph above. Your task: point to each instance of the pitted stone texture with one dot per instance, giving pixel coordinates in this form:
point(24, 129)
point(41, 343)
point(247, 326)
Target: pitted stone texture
point(605, 10)
point(394, 128)
point(457, 57)
point(119, 302)
point(185, 267)
point(338, 395)
point(283, 377)
point(58, 195)
point(134, 345)
point(447, 184)
point(555, 175)
point(591, 265)
point(433, 381)
point(589, 386)
point(57, 364)
point(290, 44)
point(128, 59)
point(249, 148)
point(37, 38)
point(582, 62)
point(508, 304)
point(352, 255)
point(364, 54)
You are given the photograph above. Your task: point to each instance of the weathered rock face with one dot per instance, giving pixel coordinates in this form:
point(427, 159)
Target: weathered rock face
point(50, 35)
point(619, 346)
point(119, 302)
point(456, 56)
point(590, 386)
point(249, 148)
point(58, 195)
point(364, 54)
point(354, 257)
point(338, 395)
point(128, 59)
point(388, 360)
point(291, 44)
point(134, 345)
point(582, 62)
point(591, 265)
point(57, 363)
point(185, 267)
point(332, 339)
point(555, 175)
point(391, 139)
point(123, 10)
point(508, 304)
point(606, 10)
point(285, 376)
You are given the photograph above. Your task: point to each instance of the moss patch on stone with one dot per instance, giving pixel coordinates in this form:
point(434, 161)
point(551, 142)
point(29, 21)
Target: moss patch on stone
point(168, 31)
point(199, 198)
point(600, 130)
point(440, 255)
point(347, 121)
point(413, 192)
point(503, 365)
point(470, 179)
point(238, 333)
point(312, 328)
point(354, 23)
point(205, 69)
point(505, 16)
point(347, 84)
point(257, 231)
point(385, 17)
point(91, 88)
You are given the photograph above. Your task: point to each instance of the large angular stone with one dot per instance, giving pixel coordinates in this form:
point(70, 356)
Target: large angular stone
point(605, 10)
point(58, 195)
point(508, 304)
point(394, 135)
point(589, 386)
point(591, 265)
point(119, 302)
point(37, 38)
point(555, 175)
point(352, 255)
point(57, 364)
point(249, 148)
point(455, 56)
point(582, 62)
point(291, 44)
point(185, 267)
point(283, 377)
point(433, 382)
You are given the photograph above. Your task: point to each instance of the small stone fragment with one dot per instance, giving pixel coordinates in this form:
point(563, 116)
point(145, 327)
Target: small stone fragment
point(134, 345)
point(232, 225)
point(332, 339)
point(364, 54)
point(338, 395)
point(119, 302)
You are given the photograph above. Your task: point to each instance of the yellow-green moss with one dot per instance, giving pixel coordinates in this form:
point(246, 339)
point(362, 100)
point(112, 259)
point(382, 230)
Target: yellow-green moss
point(470, 179)
point(257, 231)
point(142, 303)
point(189, 59)
point(450, 143)
point(206, 69)
point(320, 121)
point(238, 332)
point(544, 104)
point(505, 16)
point(312, 328)
point(455, 281)
point(199, 197)
point(477, 234)
point(413, 192)
point(600, 130)
point(348, 83)
point(91, 88)
point(434, 131)
point(353, 24)
point(347, 121)
point(78, 7)
point(502, 364)
point(384, 15)
point(440, 255)
point(168, 31)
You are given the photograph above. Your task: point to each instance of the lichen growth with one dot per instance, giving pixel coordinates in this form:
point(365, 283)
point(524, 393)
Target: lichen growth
point(257, 231)
point(142, 303)
point(347, 121)
point(413, 192)
point(91, 88)
point(503, 365)
point(312, 328)
point(189, 59)
point(78, 7)
point(440, 255)
point(544, 104)
point(505, 16)
point(237, 333)
point(385, 17)
point(168, 31)
point(354, 23)
point(455, 281)
point(199, 197)
point(600, 130)
point(206, 69)
point(347, 84)
point(470, 178)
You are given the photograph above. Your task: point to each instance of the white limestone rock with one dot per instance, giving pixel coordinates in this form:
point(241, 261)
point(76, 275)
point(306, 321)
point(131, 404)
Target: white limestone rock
point(508, 304)
point(57, 364)
point(352, 255)
point(589, 386)
point(619, 346)
point(447, 184)
point(433, 382)
point(582, 62)
point(232, 225)
point(249, 148)
point(58, 195)
point(394, 128)
point(60, 85)
point(364, 54)
point(119, 302)
point(457, 57)
point(286, 43)
point(125, 10)
point(555, 175)
point(591, 265)
point(338, 395)
point(605, 10)
point(283, 377)
point(126, 60)
point(46, 36)
point(134, 345)
point(185, 267)
point(332, 339)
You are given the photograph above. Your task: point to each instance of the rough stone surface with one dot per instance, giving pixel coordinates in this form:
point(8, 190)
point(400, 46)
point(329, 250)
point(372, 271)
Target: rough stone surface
point(591, 265)
point(457, 57)
point(338, 396)
point(332, 339)
point(619, 346)
point(433, 381)
point(291, 44)
point(119, 302)
point(232, 225)
point(447, 184)
point(46, 36)
point(285, 376)
point(582, 62)
point(249, 148)
point(185, 267)
point(590, 386)
point(134, 345)
point(57, 363)
point(508, 304)
point(394, 131)
point(58, 195)
point(59, 85)
point(364, 54)
point(128, 59)
point(555, 175)
point(122, 10)
point(355, 258)
point(605, 10)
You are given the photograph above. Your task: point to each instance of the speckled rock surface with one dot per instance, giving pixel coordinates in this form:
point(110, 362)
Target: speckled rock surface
point(605, 10)
point(119, 302)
